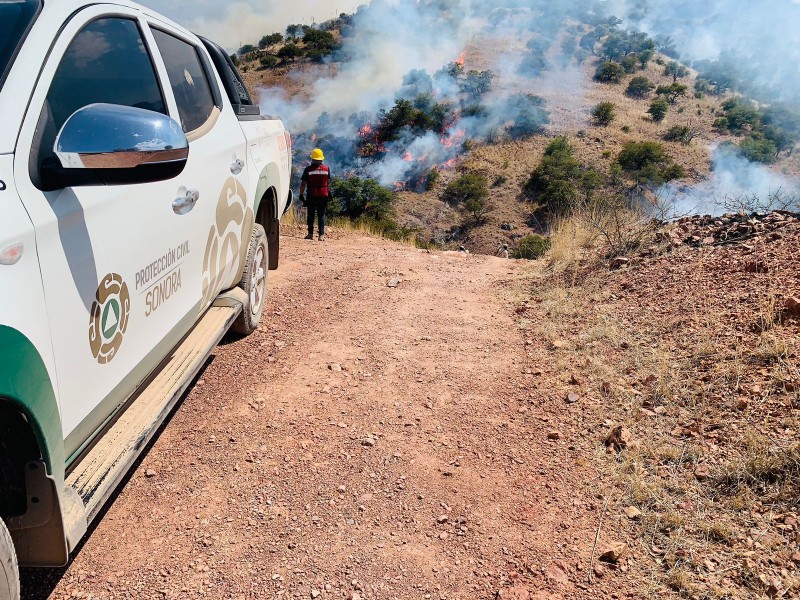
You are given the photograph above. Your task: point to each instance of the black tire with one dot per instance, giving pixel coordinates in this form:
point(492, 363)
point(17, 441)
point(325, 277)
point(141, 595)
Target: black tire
point(256, 271)
point(9, 570)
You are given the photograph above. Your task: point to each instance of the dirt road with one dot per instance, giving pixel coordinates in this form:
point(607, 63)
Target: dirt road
point(367, 442)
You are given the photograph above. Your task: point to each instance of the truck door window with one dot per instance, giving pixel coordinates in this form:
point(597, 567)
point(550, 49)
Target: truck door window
point(188, 79)
point(106, 62)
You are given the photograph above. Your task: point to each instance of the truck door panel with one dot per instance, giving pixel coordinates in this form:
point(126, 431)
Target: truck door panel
point(120, 267)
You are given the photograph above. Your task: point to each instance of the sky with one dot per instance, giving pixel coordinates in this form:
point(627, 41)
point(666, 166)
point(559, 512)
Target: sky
point(232, 24)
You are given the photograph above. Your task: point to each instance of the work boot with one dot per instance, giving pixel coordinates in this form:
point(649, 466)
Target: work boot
point(322, 238)
point(310, 236)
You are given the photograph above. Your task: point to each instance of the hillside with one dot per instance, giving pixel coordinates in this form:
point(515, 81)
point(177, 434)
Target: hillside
point(570, 95)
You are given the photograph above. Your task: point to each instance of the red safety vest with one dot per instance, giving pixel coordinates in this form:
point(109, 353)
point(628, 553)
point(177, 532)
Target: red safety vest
point(319, 182)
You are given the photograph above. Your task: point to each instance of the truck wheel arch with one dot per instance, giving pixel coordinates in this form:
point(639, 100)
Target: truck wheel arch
point(26, 386)
point(32, 460)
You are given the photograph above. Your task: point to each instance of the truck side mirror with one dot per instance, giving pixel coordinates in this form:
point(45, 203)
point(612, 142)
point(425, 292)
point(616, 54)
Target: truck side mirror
point(108, 144)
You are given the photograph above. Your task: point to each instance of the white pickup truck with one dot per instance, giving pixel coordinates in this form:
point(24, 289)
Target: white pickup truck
point(141, 193)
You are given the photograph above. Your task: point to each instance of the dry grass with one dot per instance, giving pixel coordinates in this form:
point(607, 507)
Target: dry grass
point(695, 524)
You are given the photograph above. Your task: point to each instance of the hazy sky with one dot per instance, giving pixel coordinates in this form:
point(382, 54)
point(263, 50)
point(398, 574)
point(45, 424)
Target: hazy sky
point(245, 21)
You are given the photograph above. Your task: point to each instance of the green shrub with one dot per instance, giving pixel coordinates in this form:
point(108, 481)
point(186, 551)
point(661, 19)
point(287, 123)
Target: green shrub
point(630, 63)
point(528, 114)
point(355, 198)
point(268, 61)
point(658, 109)
point(470, 187)
point(639, 87)
point(532, 247)
point(433, 178)
point(603, 114)
point(679, 133)
point(672, 91)
point(647, 162)
point(559, 181)
point(290, 51)
point(321, 41)
point(270, 40)
point(740, 114)
point(609, 72)
point(675, 70)
point(758, 149)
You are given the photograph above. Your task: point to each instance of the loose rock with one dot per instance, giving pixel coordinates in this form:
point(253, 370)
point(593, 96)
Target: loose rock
point(613, 552)
point(618, 438)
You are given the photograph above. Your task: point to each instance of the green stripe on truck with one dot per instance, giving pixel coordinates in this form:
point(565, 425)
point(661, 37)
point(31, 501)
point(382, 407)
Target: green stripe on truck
point(25, 382)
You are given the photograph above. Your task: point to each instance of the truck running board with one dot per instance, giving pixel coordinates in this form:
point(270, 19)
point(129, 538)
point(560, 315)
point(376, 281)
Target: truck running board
point(107, 463)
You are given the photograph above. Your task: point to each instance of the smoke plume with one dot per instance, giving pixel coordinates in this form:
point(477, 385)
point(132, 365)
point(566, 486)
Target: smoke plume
point(736, 184)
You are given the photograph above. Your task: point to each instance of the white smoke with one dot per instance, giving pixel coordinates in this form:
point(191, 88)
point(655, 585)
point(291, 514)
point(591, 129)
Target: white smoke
point(761, 39)
point(735, 184)
point(246, 21)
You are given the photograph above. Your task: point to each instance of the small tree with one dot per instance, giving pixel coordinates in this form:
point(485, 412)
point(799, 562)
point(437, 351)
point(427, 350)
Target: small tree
point(609, 72)
point(673, 91)
point(658, 109)
point(681, 133)
point(235, 60)
point(270, 40)
point(560, 182)
point(647, 162)
point(292, 31)
point(246, 49)
point(319, 40)
point(675, 70)
point(477, 207)
point(469, 188)
point(603, 113)
point(639, 87)
point(290, 51)
point(645, 56)
point(630, 63)
point(268, 61)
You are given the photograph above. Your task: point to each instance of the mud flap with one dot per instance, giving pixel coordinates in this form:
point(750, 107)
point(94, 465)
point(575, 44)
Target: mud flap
point(274, 242)
point(43, 537)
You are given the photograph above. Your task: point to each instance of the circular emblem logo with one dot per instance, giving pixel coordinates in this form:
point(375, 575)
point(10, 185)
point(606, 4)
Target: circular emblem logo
point(109, 318)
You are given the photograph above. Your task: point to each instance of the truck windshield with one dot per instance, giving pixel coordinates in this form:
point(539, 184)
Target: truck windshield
point(16, 17)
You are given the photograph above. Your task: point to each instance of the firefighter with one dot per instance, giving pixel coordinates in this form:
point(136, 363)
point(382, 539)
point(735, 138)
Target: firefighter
point(317, 180)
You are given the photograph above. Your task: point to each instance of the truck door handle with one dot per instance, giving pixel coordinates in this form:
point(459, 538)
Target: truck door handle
point(237, 166)
point(186, 203)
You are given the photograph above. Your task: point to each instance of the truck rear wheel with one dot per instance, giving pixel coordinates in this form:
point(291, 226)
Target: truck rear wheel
point(254, 282)
point(9, 571)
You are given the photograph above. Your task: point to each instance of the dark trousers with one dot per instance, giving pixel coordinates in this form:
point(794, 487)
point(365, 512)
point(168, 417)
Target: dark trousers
point(316, 206)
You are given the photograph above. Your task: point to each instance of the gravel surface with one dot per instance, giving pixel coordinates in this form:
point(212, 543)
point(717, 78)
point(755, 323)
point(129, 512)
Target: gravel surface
point(366, 442)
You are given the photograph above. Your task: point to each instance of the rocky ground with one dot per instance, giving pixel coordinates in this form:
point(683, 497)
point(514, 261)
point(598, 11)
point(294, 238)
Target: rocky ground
point(367, 442)
point(691, 352)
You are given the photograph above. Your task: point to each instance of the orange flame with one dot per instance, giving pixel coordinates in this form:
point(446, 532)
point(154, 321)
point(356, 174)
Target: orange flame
point(365, 130)
point(408, 157)
point(460, 60)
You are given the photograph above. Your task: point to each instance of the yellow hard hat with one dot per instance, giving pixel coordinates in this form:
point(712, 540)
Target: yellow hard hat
point(317, 154)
